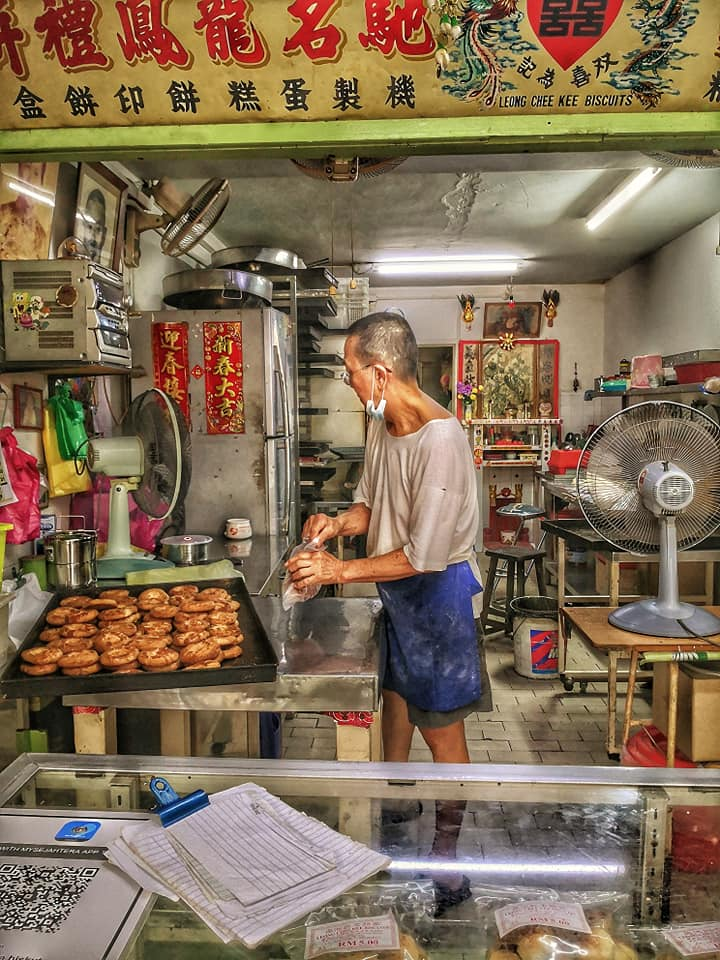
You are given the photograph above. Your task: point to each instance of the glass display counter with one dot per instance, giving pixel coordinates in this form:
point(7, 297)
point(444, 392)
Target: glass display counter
point(640, 845)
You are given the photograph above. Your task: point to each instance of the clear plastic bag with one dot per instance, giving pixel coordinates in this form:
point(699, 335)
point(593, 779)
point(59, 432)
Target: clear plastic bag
point(290, 593)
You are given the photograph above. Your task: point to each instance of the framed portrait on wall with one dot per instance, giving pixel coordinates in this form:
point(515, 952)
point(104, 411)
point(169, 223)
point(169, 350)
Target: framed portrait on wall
point(521, 383)
point(27, 207)
point(520, 319)
point(100, 213)
point(27, 408)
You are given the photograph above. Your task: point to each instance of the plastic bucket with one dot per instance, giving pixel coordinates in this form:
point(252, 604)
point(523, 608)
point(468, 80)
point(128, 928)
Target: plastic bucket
point(535, 637)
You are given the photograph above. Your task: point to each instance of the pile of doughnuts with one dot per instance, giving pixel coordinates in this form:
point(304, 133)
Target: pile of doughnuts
point(548, 943)
point(183, 628)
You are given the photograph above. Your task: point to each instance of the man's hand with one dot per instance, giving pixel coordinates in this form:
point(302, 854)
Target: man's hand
point(310, 569)
point(321, 527)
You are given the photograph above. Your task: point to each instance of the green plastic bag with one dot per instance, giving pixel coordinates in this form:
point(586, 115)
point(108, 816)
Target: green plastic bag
point(69, 424)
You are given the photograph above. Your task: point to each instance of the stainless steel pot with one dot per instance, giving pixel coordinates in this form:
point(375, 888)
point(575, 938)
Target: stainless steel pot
point(186, 550)
point(70, 557)
point(207, 289)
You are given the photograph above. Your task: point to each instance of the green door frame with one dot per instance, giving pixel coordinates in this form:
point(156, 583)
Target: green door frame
point(537, 134)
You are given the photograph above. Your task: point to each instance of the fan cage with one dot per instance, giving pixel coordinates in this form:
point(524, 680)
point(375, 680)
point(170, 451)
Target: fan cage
point(339, 170)
point(199, 215)
point(622, 447)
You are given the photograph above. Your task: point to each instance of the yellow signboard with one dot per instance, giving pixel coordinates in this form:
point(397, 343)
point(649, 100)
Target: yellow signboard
point(84, 63)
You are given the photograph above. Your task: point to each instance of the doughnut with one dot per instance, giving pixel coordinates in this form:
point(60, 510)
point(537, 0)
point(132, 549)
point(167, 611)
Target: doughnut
point(117, 613)
point(38, 669)
point(69, 644)
point(81, 616)
point(197, 606)
point(162, 611)
point(78, 630)
point(222, 616)
point(115, 594)
point(82, 671)
point(229, 605)
point(224, 630)
point(126, 627)
point(100, 603)
point(49, 634)
point(75, 602)
point(109, 640)
point(202, 650)
point(119, 656)
point(191, 636)
point(213, 593)
point(41, 655)
point(156, 628)
point(227, 639)
point(133, 668)
point(231, 653)
point(58, 617)
point(151, 643)
point(163, 659)
point(204, 665)
point(183, 590)
point(173, 666)
point(151, 598)
point(186, 621)
point(77, 658)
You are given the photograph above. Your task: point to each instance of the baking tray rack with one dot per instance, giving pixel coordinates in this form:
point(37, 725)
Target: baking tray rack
point(258, 662)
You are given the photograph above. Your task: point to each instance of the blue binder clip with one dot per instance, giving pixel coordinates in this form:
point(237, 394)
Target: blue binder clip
point(170, 807)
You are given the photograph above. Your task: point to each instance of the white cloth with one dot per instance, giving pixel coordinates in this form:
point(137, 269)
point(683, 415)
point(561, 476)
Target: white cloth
point(420, 490)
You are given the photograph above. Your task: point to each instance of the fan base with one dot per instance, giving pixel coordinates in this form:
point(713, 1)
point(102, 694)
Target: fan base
point(643, 617)
point(109, 568)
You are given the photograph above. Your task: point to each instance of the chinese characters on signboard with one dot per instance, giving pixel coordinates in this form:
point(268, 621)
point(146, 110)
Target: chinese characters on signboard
point(224, 402)
point(170, 362)
point(72, 63)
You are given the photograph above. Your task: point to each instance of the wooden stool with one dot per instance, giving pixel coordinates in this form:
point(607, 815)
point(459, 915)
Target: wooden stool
point(515, 560)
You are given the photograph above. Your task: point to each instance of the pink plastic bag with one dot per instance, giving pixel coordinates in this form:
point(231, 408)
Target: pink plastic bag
point(24, 476)
point(94, 506)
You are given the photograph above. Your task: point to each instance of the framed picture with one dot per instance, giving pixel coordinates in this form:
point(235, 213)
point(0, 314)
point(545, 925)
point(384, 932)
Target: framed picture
point(27, 408)
point(27, 207)
point(522, 319)
point(521, 383)
point(99, 214)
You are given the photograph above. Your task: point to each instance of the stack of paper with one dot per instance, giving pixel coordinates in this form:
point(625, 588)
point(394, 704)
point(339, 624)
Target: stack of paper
point(247, 865)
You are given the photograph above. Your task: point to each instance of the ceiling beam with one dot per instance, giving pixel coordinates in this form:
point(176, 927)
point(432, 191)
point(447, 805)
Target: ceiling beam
point(462, 135)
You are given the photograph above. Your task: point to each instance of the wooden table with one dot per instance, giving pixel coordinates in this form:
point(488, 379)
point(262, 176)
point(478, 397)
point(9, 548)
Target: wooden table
point(592, 624)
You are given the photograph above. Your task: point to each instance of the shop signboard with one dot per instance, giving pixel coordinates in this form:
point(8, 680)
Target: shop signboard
point(98, 64)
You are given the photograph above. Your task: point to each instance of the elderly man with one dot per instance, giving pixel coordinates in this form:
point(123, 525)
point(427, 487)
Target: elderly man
point(417, 504)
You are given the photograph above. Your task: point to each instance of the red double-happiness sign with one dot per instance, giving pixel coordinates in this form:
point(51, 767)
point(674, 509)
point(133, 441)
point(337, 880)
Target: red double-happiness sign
point(170, 362)
point(224, 401)
point(568, 29)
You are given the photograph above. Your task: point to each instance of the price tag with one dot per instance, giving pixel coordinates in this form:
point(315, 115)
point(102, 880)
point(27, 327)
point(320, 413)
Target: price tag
point(546, 913)
point(346, 936)
point(695, 939)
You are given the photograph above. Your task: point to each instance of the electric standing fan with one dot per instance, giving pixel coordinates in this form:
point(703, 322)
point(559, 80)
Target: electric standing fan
point(649, 482)
point(151, 459)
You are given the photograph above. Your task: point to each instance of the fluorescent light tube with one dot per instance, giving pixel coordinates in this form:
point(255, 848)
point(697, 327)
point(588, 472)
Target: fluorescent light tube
point(619, 197)
point(34, 194)
point(417, 266)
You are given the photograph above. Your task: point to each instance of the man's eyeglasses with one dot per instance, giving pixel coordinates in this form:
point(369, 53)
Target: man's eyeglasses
point(347, 375)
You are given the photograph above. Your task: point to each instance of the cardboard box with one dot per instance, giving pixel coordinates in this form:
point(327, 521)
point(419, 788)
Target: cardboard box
point(698, 713)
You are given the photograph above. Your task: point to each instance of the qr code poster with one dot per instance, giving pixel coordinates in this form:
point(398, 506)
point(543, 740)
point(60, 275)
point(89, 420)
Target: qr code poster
point(40, 898)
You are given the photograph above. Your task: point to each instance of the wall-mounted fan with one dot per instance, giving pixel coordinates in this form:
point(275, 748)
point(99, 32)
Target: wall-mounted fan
point(185, 221)
point(152, 459)
point(649, 482)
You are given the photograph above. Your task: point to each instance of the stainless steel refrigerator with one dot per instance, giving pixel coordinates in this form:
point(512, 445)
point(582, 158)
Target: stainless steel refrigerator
point(253, 474)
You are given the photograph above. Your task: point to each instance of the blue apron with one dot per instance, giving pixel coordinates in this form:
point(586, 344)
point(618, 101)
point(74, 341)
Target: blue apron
point(431, 644)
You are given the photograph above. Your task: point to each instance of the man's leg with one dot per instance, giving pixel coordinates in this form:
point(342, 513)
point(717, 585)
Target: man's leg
point(397, 730)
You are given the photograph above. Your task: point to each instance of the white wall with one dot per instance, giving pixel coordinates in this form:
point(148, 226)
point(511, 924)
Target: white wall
point(669, 302)
point(435, 316)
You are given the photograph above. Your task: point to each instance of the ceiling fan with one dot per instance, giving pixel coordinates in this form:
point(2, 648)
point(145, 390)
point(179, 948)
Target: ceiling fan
point(185, 220)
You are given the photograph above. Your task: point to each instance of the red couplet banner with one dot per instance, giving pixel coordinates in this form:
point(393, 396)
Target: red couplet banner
point(224, 401)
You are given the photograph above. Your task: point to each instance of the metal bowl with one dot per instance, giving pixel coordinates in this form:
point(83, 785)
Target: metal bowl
point(216, 290)
point(187, 550)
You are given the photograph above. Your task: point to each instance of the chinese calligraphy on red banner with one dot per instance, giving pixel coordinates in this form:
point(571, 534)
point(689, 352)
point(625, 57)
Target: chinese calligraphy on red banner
point(170, 362)
point(224, 402)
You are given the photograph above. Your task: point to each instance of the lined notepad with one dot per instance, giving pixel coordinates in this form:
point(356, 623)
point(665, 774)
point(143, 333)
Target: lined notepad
point(248, 864)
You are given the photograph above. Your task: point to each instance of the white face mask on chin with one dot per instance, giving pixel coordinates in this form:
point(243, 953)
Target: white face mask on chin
point(375, 412)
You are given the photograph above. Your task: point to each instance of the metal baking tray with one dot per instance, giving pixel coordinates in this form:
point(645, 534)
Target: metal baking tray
point(257, 664)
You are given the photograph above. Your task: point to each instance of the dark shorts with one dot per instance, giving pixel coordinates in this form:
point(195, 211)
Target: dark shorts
point(434, 719)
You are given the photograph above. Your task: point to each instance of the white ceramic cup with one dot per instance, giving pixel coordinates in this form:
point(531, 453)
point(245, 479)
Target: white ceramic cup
point(238, 528)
